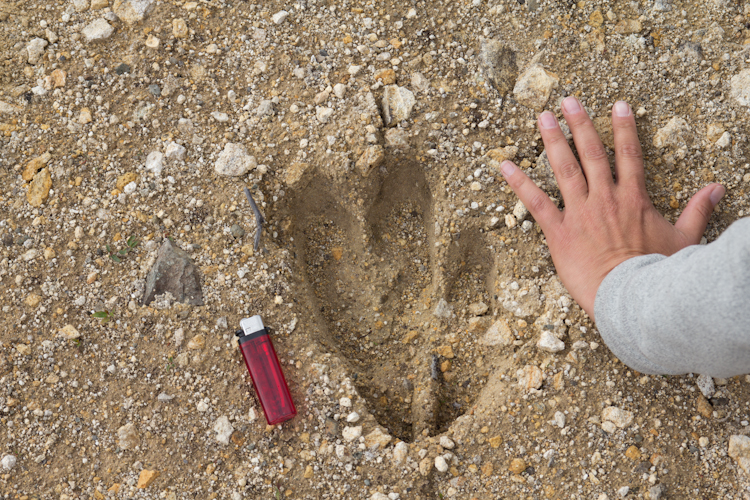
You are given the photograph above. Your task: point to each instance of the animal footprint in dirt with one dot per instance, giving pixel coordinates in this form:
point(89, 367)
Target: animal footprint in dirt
point(376, 278)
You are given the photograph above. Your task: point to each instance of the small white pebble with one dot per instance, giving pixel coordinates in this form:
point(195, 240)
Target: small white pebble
point(352, 433)
point(446, 442)
point(280, 16)
point(353, 417)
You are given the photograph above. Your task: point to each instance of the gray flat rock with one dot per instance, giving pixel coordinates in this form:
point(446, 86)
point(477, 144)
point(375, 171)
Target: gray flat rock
point(174, 272)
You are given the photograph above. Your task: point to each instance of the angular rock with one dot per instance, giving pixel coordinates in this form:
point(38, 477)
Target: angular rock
point(397, 104)
point(179, 28)
point(377, 439)
point(8, 462)
point(57, 79)
point(740, 87)
point(296, 173)
point(443, 310)
point(397, 138)
point(197, 343)
point(628, 27)
point(739, 449)
point(69, 332)
point(400, 452)
point(97, 30)
point(175, 152)
point(675, 134)
point(498, 63)
point(155, 162)
point(596, 19)
point(498, 334)
point(127, 437)
point(234, 161)
point(264, 108)
point(173, 272)
point(85, 117)
point(691, 52)
point(146, 477)
point(351, 433)
point(520, 211)
point(323, 114)
point(703, 406)
point(656, 492)
point(706, 384)
point(339, 90)
point(425, 465)
point(534, 87)
point(39, 188)
point(724, 141)
point(81, 5)
point(35, 165)
point(517, 465)
point(387, 76)
point(35, 49)
point(530, 377)
point(32, 300)
point(223, 429)
point(550, 343)
point(126, 179)
point(420, 82)
point(132, 11)
point(280, 17)
point(447, 442)
point(322, 97)
point(621, 418)
point(477, 324)
point(478, 308)
point(8, 109)
point(372, 158)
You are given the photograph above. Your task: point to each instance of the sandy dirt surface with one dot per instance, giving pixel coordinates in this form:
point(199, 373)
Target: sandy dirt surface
point(430, 348)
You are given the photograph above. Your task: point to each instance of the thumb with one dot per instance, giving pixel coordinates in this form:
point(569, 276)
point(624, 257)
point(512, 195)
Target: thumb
point(692, 223)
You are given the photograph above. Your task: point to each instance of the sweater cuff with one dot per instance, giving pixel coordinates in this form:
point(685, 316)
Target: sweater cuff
point(616, 309)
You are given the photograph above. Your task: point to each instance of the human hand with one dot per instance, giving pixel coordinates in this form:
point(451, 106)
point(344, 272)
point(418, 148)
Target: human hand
point(604, 222)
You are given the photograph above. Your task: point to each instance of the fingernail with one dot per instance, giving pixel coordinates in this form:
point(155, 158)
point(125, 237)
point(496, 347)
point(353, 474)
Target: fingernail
point(547, 120)
point(508, 168)
point(571, 105)
point(717, 194)
point(621, 109)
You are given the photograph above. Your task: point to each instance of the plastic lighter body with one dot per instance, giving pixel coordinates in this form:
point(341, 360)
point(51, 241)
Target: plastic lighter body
point(265, 371)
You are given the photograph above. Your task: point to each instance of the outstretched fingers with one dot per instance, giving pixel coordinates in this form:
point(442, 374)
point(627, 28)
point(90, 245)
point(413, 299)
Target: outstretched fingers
point(590, 148)
point(567, 171)
point(628, 154)
point(536, 201)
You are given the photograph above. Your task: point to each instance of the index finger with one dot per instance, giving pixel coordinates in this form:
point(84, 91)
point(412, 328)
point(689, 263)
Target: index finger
point(536, 201)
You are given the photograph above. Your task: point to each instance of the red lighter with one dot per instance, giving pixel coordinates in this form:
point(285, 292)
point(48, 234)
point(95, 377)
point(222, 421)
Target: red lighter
point(265, 371)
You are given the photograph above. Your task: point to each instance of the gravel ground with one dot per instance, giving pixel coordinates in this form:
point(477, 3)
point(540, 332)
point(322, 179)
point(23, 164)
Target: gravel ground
point(429, 346)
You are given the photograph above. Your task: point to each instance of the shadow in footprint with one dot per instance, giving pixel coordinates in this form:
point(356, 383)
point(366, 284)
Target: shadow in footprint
point(363, 273)
point(373, 276)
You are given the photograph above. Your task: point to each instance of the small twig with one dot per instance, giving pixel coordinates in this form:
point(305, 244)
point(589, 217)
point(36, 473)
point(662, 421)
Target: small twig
point(435, 367)
point(259, 220)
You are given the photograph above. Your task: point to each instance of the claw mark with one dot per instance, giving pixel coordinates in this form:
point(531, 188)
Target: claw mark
point(259, 220)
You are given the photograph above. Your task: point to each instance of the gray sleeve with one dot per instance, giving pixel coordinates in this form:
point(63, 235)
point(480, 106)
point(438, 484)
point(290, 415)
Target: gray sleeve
point(689, 312)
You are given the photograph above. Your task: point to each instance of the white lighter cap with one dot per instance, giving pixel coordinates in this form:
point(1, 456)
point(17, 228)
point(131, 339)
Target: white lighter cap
point(251, 325)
